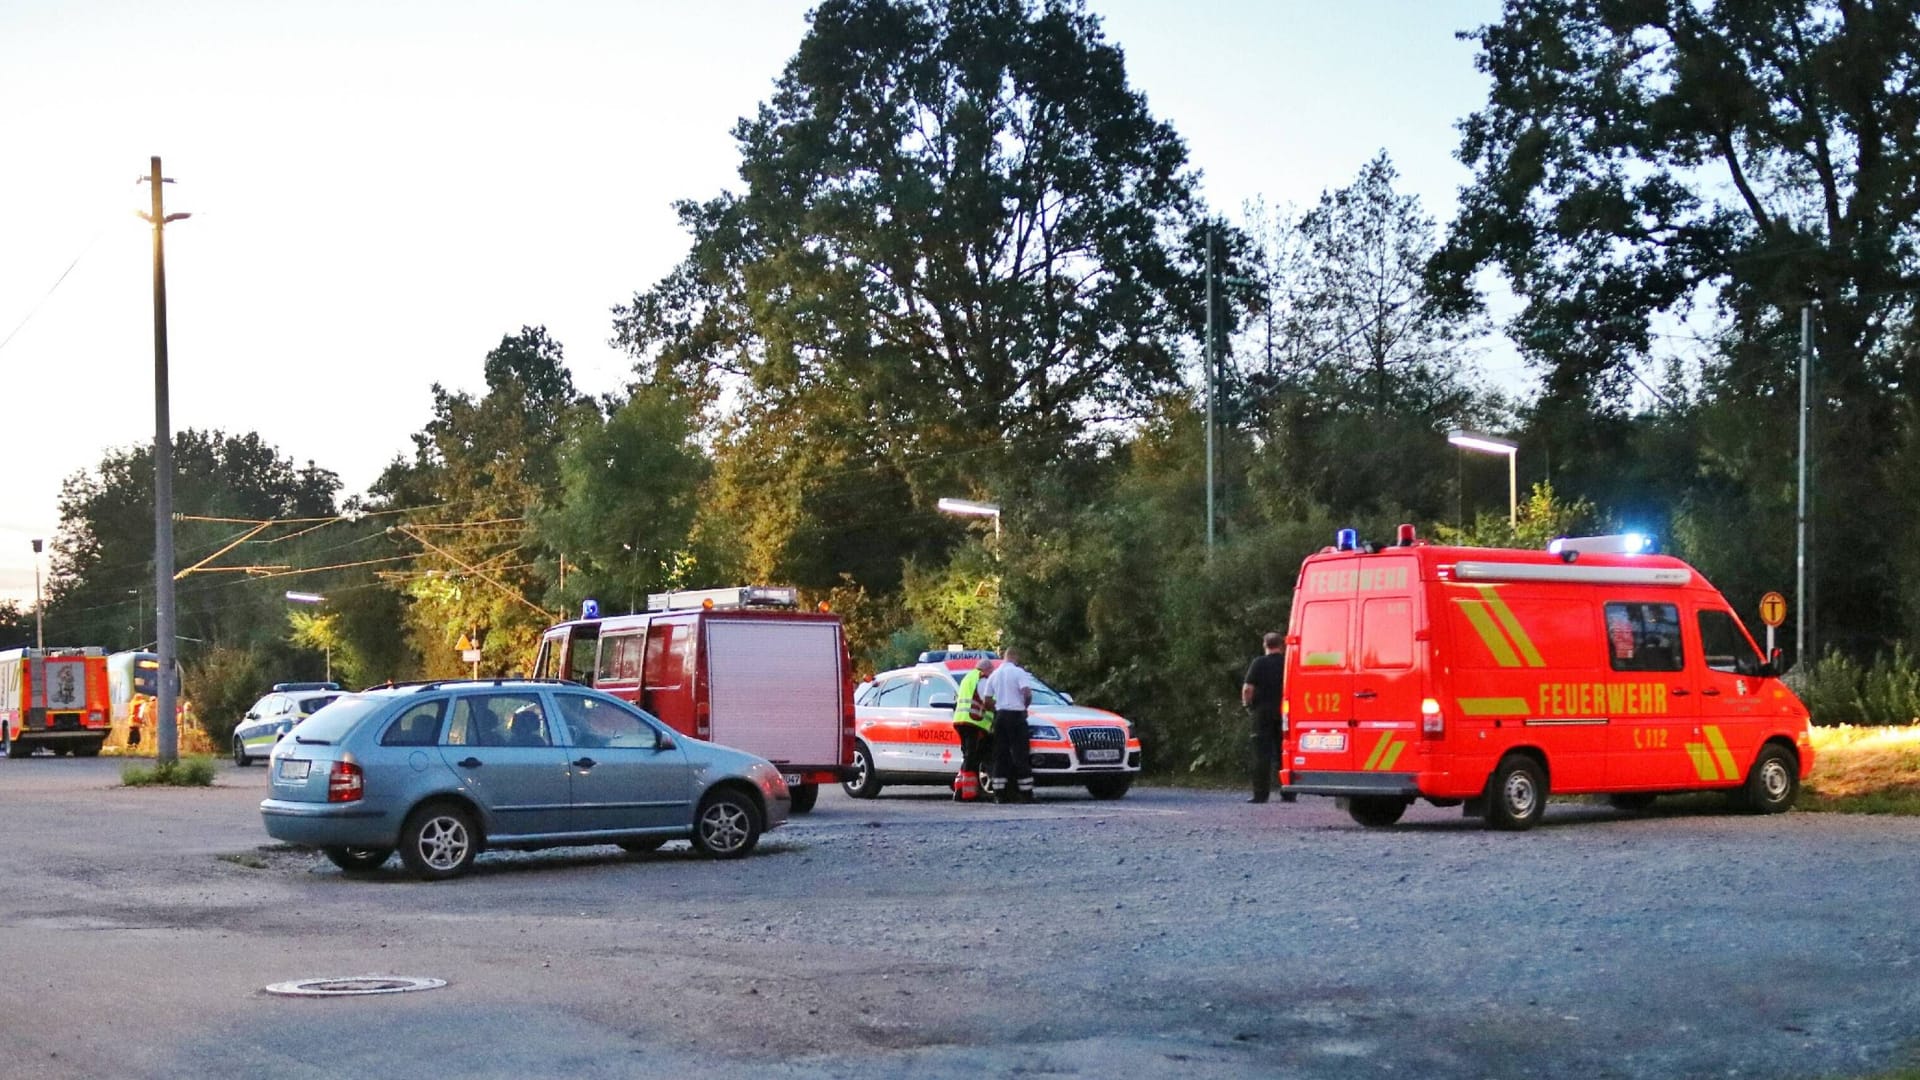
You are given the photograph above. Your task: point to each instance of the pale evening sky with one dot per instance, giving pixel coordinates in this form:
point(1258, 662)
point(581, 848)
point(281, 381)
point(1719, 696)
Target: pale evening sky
point(381, 190)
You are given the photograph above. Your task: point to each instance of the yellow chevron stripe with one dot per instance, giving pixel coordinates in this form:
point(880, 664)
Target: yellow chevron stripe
point(1476, 613)
point(1393, 755)
point(1721, 754)
point(1512, 625)
point(1702, 763)
point(1374, 758)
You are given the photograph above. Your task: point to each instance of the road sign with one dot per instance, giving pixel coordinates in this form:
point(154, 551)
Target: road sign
point(469, 656)
point(466, 644)
point(1773, 609)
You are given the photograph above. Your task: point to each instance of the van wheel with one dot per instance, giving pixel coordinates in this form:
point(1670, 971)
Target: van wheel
point(1376, 811)
point(728, 826)
point(865, 783)
point(1517, 794)
point(804, 796)
point(1773, 783)
point(439, 841)
point(19, 748)
point(358, 860)
point(91, 749)
point(1631, 800)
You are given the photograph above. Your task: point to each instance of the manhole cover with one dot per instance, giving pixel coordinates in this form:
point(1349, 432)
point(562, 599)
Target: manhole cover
point(354, 985)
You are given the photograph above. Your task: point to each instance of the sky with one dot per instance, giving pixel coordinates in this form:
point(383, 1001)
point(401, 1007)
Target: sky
point(380, 191)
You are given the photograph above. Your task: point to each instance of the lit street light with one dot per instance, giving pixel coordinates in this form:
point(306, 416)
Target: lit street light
point(39, 624)
point(1488, 444)
point(969, 508)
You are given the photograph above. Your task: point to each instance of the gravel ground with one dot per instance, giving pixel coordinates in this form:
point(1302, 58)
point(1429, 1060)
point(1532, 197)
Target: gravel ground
point(1174, 933)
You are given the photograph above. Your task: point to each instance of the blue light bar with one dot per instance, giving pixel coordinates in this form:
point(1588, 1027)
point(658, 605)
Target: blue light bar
point(590, 609)
point(1346, 540)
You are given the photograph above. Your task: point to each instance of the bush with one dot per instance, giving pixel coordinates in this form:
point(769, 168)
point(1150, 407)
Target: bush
point(1886, 693)
point(186, 772)
point(223, 685)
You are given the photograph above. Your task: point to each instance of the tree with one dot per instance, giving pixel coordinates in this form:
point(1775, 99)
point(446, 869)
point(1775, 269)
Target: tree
point(1636, 159)
point(16, 626)
point(482, 470)
point(962, 243)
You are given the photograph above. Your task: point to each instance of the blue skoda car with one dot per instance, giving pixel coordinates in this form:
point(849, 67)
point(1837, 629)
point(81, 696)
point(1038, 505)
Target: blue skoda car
point(443, 770)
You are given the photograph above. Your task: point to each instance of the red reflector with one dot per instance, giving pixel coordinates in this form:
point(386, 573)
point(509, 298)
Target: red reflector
point(344, 783)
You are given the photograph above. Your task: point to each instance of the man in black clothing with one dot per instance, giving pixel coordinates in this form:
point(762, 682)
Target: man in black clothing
point(1260, 693)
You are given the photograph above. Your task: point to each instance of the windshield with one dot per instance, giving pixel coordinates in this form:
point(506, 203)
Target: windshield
point(1047, 695)
point(308, 706)
point(332, 723)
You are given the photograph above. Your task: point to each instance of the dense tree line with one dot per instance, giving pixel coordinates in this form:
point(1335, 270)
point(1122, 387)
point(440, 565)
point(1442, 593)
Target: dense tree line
point(964, 258)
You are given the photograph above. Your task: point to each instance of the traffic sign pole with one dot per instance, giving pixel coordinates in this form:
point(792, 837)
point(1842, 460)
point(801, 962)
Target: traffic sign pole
point(1773, 612)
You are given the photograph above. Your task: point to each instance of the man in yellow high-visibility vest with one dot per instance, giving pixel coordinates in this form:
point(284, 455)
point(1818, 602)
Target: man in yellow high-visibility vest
point(974, 722)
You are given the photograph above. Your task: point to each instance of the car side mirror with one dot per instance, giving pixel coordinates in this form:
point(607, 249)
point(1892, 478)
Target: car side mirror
point(252, 716)
point(666, 743)
point(940, 703)
point(1066, 697)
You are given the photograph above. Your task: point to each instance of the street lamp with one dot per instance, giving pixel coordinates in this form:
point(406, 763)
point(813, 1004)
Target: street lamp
point(39, 625)
point(969, 508)
point(1211, 363)
point(315, 598)
point(1487, 444)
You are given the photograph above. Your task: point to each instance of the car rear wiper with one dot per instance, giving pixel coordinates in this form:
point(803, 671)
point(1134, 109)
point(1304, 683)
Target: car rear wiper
point(304, 741)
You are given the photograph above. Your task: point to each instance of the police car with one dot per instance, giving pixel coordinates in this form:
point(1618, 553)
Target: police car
point(903, 724)
point(276, 714)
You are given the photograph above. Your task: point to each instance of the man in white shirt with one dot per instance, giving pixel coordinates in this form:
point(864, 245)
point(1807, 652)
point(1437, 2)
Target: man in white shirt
point(1011, 690)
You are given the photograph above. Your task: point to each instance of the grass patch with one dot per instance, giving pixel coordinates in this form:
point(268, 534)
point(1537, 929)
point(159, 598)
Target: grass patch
point(186, 772)
point(1864, 770)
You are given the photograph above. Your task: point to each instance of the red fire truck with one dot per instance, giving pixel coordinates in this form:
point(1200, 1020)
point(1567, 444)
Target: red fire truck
point(56, 698)
point(1485, 678)
point(744, 667)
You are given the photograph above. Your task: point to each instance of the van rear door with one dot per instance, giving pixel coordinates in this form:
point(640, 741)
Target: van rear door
point(774, 687)
point(1320, 668)
point(1387, 684)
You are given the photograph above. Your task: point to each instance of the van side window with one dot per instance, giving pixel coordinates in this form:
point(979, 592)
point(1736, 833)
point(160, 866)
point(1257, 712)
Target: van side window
point(1386, 634)
point(663, 660)
point(580, 660)
point(620, 658)
point(1643, 637)
point(1726, 646)
point(1323, 634)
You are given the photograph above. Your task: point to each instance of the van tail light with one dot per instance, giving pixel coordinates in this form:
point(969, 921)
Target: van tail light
point(702, 722)
point(1432, 724)
point(344, 782)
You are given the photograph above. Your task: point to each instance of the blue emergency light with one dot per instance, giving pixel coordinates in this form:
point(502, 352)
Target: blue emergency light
point(590, 609)
point(1346, 540)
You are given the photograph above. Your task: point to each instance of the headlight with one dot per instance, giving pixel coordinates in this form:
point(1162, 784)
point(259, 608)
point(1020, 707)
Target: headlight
point(1043, 731)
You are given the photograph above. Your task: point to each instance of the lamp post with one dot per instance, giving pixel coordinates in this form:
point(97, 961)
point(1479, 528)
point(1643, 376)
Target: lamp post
point(39, 624)
point(315, 598)
point(969, 508)
point(1487, 444)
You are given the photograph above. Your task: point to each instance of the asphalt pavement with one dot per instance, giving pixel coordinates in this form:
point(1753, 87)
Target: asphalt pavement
point(1173, 933)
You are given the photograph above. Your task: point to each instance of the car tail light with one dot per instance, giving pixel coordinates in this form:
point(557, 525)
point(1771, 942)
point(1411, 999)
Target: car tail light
point(1432, 723)
point(344, 782)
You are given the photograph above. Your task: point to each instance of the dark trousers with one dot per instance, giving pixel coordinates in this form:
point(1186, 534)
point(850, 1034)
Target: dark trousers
point(1265, 730)
point(973, 741)
point(1012, 750)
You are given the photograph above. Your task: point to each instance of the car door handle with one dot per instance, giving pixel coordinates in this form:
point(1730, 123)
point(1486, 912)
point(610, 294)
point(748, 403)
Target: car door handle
point(1366, 695)
point(470, 763)
point(1711, 692)
point(585, 763)
point(1680, 691)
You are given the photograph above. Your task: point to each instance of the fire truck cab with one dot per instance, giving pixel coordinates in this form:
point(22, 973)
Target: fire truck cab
point(56, 698)
point(1487, 678)
point(743, 667)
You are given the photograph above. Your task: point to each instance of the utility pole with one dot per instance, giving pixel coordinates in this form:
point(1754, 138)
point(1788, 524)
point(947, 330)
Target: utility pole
point(39, 604)
point(1802, 623)
point(168, 749)
point(1209, 363)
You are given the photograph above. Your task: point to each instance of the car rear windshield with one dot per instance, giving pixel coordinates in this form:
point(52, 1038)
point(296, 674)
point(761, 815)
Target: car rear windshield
point(333, 723)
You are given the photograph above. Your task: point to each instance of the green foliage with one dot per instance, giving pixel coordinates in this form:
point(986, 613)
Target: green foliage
point(185, 772)
point(1883, 693)
point(1541, 517)
point(223, 683)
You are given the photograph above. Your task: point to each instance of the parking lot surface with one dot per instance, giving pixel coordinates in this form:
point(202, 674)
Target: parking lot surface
point(1173, 933)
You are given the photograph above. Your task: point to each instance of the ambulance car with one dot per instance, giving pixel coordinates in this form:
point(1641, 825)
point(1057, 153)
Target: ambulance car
point(1490, 678)
point(742, 666)
point(904, 720)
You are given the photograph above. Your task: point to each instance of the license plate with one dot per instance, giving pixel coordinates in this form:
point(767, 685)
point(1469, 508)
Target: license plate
point(793, 779)
point(1323, 740)
point(294, 770)
point(1103, 755)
